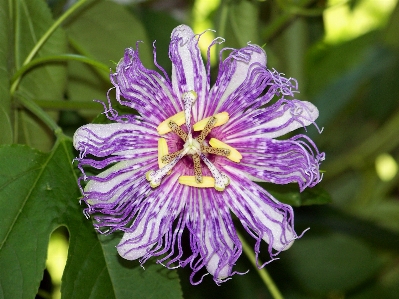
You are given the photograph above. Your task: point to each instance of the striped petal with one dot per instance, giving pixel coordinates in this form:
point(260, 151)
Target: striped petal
point(144, 90)
point(274, 121)
point(280, 161)
point(130, 140)
point(113, 195)
point(214, 242)
point(154, 218)
point(188, 70)
point(261, 215)
point(241, 79)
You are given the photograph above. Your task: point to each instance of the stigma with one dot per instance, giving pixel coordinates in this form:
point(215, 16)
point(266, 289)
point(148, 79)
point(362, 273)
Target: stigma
point(199, 148)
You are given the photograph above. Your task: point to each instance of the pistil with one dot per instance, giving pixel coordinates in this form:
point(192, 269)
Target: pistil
point(189, 99)
point(221, 180)
point(155, 177)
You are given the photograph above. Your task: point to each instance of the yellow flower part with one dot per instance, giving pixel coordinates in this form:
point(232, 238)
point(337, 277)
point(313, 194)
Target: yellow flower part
point(178, 118)
point(162, 151)
point(207, 181)
point(221, 119)
point(234, 156)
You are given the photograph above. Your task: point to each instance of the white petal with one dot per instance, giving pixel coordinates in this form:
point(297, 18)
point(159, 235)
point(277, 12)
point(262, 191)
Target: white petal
point(188, 70)
point(271, 124)
point(213, 233)
point(113, 184)
point(259, 212)
point(131, 140)
point(305, 114)
point(153, 220)
point(233, 71)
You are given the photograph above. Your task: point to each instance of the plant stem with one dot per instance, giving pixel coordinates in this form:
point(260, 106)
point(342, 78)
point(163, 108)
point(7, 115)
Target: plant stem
point(44, 38)
point(36, 110)
point(264, 275)
point(51, 30)
point(58, 58)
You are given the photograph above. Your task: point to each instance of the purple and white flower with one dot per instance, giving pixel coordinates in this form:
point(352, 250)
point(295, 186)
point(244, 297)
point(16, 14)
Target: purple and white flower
point(189, 159)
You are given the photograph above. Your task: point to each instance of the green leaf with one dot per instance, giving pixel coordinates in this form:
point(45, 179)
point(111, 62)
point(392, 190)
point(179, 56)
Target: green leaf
point(33, 20)
point(331, 263)
point(159, 26)
point(38, 193)
point(242, 22)
point(328, 219)
point(101, 273)
point(382, 88)
point(34, 200)
point(46, 82)
point(5, 105)
point(86, 85)
point(335, 74)
point(390, 34)
point(102, 32)
point(290, 194)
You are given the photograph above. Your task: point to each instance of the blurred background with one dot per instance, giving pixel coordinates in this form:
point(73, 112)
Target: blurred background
point(345, 56)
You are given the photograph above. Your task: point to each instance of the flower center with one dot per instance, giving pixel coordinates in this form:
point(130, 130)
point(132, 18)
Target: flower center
point(194, 147)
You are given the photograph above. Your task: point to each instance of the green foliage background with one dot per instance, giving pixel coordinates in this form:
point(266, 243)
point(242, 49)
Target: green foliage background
point(352, 248)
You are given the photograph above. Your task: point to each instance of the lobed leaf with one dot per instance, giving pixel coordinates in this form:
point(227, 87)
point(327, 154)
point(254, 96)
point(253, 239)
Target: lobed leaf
point(38, 193)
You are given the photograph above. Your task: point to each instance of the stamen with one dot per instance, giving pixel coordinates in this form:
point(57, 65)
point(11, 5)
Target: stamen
point(178, 118)
point(234, 155)
point(216, 151)
point(222, 118)
point(189, 99)
point(208, 127)
point(207, 181)
point(176, 129)
point(155, 177)
point(162, 151)
point(197, 168)
point(221, 180)
point(169, 157)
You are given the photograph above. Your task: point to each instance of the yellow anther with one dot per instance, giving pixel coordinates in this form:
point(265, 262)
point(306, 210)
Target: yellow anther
point(222, 118)
point(207, 181)
point(162, 151)
point(178, 118)
point(234, 154)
